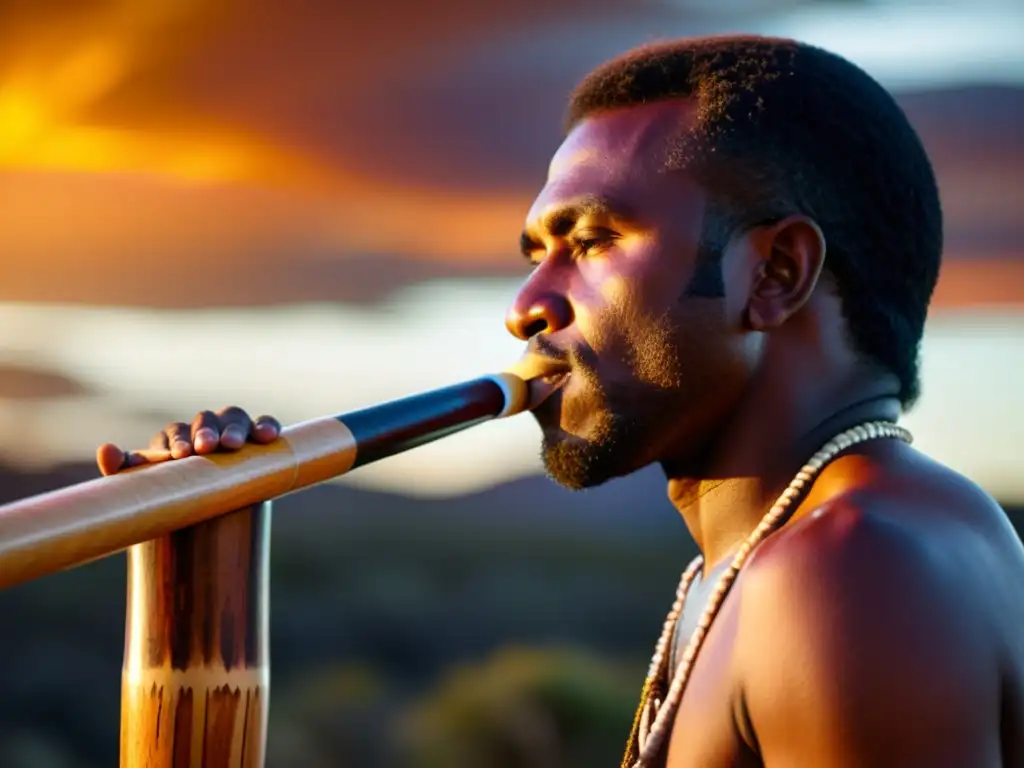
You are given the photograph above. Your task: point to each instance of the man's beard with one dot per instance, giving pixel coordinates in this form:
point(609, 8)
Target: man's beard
point(576, 464)
point(615, 444)
point(599, 428)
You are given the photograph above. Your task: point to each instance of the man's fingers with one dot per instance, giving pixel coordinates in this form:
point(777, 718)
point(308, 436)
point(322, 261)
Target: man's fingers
point(230, 429)
point(235, 426)
point(112, 459)
point(266, 429)
point(109, 458)
point(204, 432)
point(159, 442)
point(179, 439)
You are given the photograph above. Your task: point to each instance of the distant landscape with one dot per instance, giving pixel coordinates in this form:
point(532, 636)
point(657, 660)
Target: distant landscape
point(403, 632)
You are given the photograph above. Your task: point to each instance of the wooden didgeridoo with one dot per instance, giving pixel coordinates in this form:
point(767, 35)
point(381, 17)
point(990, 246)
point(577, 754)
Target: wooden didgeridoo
point(195, 679)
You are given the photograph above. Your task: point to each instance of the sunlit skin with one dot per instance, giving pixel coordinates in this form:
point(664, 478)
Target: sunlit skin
point(881, 626)
point(767, 366)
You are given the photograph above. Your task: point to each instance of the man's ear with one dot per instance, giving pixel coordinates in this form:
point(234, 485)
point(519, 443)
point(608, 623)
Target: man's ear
point(788, 259)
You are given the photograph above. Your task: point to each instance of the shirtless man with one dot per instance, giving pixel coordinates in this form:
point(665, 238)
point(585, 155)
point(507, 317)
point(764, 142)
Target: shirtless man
point(733, 256)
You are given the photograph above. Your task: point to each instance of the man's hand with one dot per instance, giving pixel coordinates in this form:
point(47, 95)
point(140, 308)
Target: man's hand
point(226, 430)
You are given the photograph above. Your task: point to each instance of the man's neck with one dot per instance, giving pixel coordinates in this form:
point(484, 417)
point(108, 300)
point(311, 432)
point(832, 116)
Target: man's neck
point(755, 457)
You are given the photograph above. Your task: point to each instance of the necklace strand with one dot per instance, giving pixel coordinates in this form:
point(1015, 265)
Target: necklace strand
point(654, 718)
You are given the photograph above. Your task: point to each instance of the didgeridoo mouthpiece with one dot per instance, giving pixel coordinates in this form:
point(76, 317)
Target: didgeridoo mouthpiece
point(540, 377)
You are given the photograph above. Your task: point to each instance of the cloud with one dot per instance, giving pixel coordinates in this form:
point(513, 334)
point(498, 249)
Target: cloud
point(423, 97)
point(179, 153)
point(220, 90)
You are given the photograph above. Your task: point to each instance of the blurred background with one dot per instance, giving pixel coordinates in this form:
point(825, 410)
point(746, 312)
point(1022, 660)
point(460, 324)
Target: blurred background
point(306, 207)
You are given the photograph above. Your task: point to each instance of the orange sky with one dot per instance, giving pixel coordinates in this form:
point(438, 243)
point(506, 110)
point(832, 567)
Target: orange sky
point(149, 150)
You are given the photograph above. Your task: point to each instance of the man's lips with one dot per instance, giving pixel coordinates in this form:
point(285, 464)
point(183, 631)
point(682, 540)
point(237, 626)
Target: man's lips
point(543, 375)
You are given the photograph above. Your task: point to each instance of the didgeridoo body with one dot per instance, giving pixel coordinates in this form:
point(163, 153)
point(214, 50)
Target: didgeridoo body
point(83, 522)
point(196, 672)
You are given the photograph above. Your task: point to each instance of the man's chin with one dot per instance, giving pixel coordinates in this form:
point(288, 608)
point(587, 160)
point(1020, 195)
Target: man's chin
point(582, 446)
point(572, 421)
point(577, 464)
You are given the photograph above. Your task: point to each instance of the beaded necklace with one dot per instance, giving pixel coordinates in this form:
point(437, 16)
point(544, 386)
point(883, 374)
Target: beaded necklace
point(655, 715)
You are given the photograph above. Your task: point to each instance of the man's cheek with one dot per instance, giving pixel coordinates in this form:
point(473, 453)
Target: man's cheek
point(611, 306)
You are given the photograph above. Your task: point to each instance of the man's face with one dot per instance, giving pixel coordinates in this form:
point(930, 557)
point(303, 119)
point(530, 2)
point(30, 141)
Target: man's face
point(655, 360)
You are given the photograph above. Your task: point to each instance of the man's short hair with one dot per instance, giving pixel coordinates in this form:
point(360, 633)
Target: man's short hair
point(783, 127)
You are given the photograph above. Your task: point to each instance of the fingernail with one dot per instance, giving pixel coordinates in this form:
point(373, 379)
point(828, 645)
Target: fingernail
point(207, 435)
point(180, 446)
point(235, 434)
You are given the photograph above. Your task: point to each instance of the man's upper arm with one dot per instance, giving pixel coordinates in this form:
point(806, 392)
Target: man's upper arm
point(859, 648)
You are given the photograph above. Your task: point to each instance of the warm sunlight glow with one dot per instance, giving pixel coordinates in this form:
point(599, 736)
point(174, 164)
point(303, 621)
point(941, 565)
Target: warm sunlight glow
point(56, 78)
point(40, 129)
point(62, 82)
point(92, 149)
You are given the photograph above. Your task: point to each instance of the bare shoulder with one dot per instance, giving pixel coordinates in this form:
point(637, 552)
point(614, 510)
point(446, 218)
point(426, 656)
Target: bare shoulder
point(885, 600)
point(917, 531)
point(859, 565)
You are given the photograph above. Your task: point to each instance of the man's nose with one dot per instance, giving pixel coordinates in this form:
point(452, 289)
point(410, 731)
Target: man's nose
point(543, 313)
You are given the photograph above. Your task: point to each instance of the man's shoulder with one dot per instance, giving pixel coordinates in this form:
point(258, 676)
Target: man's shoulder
point(875, 604)
point(843, 552)
point(914, 523)
point(893, 560)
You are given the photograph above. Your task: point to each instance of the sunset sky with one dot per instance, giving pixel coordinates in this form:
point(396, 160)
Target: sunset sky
point(310, 206)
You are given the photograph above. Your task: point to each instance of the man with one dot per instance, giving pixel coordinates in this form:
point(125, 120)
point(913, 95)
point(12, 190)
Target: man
point(733, 257)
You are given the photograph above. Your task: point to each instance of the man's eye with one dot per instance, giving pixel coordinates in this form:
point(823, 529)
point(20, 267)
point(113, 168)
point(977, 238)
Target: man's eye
point(590, 243)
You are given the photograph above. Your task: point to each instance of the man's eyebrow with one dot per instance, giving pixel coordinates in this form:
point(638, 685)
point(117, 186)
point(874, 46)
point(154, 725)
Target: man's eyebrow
point(560, 220)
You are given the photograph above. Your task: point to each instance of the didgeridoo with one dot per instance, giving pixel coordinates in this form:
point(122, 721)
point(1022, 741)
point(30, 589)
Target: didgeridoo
point(83, 522)
point(196, 675)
